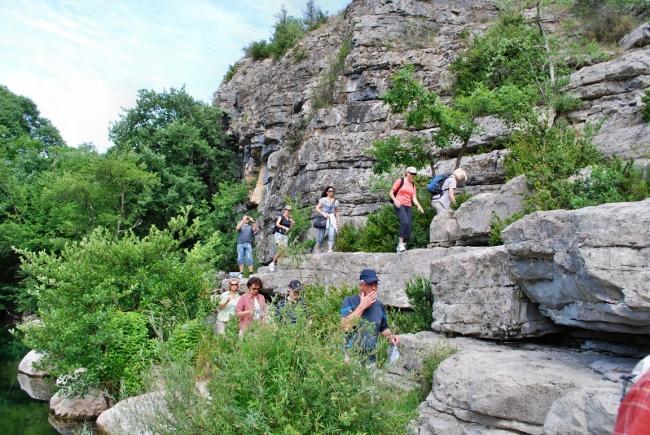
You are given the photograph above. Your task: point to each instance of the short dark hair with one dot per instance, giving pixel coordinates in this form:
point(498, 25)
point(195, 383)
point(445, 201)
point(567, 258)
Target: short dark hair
point(254, 280)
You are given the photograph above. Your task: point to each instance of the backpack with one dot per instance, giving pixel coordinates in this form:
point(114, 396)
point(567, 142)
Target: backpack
point(435, 184)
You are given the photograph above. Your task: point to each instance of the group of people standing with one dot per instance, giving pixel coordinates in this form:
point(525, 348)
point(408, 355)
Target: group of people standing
point(363, 316)
point(403, 195)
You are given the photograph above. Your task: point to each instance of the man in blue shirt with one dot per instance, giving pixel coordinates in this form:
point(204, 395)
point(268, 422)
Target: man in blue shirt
point(365, 318)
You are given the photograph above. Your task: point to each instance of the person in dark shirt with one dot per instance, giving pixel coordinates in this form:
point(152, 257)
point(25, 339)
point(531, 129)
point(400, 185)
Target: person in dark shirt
point(370, 314)
point(289, 307)
point(246, 230)
point(283, 224)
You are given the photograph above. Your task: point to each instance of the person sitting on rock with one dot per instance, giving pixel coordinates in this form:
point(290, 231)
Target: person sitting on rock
point(442, 202)
point(282, 226)
point(292, 305)
point(363, 316)
point(328, 207)
point(251, 306)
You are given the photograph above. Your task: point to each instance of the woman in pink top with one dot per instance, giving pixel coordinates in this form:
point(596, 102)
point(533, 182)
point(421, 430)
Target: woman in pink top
point(251, 305)
point(404, 195)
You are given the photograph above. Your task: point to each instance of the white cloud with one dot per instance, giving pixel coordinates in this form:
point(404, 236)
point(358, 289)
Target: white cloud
point(81, 62)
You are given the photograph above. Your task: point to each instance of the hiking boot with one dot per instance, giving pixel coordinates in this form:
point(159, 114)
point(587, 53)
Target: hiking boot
point(271, 267)
point(401, 247)
point(330, 250)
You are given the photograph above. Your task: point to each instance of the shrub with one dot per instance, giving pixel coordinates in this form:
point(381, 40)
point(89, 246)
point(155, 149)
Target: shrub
point(608, 21)
point(645, 111)
point(93, 299)
point(460, 199)
point(420, 296)
point(232, 69)
point(185, 338)
point(497, 225)
point(258, 50)
point(324, 93)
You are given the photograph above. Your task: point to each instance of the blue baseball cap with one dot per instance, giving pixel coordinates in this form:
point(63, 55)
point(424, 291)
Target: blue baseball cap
point(368, 276)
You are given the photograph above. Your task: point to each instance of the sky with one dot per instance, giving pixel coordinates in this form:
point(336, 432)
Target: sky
point(83, 61)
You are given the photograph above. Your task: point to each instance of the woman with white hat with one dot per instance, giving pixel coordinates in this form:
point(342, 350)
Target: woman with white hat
point(404, 195)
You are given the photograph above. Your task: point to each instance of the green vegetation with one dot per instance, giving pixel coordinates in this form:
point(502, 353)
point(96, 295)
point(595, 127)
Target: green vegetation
point(105, 303)
point(230, 73)
point(287, 31)
point(324, 93)
point(645, 112)
point(380, 232)
point(286, 378)
point(609, 20)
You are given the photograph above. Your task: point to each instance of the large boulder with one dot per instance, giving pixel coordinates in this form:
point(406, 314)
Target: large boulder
point(482, 169)
point(27, 364)
point(339, 269)
point(512, 390)
point(587, 411)
point(470, 224)
point(133, 415)
point(611, 93)
point(638, 37)
point(89, 406)
point(587, 268)
point(475, 294)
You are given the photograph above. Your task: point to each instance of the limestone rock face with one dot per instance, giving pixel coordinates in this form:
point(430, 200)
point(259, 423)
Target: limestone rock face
point(591, 410)
point(133, 415)
point(512, 390)
point(26, 365)
point(638, 37)
point(611, 93)
point(342, 269)
point(476, 295)
point(470, 224)
point(271, 110)
point(587, 268)
point(86, 407)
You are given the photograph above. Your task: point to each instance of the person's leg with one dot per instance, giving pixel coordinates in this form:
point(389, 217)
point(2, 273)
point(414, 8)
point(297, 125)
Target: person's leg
point(408, 218)
point(320, 235)
point(248, 256)
point(331, 237)
point(439, 208)
point(398, 212)
point(240, 257)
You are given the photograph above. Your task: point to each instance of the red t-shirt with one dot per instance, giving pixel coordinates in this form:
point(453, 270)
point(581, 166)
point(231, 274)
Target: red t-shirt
point(405, 194)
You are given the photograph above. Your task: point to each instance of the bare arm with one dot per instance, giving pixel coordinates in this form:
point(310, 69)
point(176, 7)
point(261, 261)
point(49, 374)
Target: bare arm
point(319, 208)
point(415, 199)
point(366, 301)
point(452, 195)
point(240, 223)
point(392, 338)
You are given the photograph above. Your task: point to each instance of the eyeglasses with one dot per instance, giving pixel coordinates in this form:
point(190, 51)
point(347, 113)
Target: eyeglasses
point(234, 284)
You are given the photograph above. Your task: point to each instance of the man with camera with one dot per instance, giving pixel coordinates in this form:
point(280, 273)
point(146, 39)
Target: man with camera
point(246, 230)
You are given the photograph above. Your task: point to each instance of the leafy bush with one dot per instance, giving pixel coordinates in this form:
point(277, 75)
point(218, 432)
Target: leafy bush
point(608, 21)
point(497, 225)
point(232, 69)
point(460, 199)
point(645, 112)
point(548, 157)
point(324, 93)
point(94, 296)
point(420, 296)
point(381, 231)
point(258, 50)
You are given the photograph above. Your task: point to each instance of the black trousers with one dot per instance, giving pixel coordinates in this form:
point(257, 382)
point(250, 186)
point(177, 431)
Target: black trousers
point(405, 216)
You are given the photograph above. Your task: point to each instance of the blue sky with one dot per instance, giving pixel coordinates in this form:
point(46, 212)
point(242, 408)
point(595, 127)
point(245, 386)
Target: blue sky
point(82, 61)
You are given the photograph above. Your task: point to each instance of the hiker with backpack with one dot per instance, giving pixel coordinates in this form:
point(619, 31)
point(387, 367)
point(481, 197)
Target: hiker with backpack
point(404, 195)
point(443, 188)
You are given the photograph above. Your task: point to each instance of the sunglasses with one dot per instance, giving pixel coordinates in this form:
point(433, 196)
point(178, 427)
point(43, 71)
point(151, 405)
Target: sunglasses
point(235, 284)
point(330, 191)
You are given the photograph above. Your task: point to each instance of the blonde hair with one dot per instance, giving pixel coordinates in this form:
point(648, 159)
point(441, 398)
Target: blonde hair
point(460, 175)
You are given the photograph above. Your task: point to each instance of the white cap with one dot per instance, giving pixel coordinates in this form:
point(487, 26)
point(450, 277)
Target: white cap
point(411, 170)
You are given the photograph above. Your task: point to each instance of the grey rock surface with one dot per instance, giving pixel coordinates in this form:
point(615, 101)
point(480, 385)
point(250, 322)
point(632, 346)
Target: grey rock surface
point(86, 407)
point(501, 389)
point(482, 169)
point(133, 415)
point(26, 365)
point(475, 294)
point(470, 224)
point(587, 268)
point(638, 37)
point(586, 411)
point(342, 269)
point(611, 93)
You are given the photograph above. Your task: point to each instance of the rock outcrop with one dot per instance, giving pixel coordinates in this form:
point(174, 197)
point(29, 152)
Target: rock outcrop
point(133, 415)
point(339, 269)
point(27, 364)
point(498, 389)
point(470, 224)
point(35, 387)
point(587, 268)
point(89, 406)
point(475, 294)
point(638, 37)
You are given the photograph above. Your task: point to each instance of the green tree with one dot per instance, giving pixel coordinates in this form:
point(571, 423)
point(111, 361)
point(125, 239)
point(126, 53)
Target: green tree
point(103, 300)
point(181, 140)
